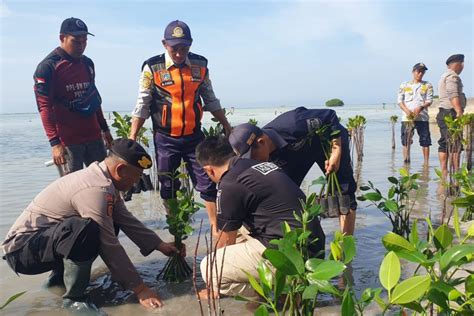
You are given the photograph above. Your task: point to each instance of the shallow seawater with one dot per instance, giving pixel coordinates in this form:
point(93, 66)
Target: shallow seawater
point(24, 150)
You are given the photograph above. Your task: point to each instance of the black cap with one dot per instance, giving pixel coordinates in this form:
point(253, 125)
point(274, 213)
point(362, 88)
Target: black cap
point(74, 26)
point(178, 32)
point(458, 58)
point(132, 152)
point(420, 66)
point(242, 138)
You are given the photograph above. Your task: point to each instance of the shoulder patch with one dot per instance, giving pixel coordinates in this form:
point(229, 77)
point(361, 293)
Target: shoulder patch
point(313, 124)
point(110, 204)
point(265, 167)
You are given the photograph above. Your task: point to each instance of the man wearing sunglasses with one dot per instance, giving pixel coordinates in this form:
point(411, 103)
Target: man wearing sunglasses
point(174, 91)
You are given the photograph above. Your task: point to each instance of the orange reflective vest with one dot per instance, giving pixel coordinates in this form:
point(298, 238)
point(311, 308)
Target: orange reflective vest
point(176, 109)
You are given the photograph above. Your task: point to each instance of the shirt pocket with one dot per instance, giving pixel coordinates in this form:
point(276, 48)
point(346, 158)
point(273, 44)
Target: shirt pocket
point(408, 94)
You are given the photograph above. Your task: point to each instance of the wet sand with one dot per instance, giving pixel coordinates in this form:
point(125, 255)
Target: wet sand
point(379, 163)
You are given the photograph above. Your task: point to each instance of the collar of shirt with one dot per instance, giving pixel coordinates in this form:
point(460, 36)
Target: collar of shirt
point(169, 62)
point(277, 140)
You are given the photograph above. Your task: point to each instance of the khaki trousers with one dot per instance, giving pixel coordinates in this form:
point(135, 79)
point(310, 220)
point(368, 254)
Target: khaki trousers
point(242, 256)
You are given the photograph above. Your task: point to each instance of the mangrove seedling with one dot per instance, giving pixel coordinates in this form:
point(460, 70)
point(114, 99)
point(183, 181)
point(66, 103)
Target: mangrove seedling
point(218, 129)
point(398, 204)
point(356, 127)
point(409, 127)
point(253, 121)
point(393, 121)
point(181, 208)
point(123, 125)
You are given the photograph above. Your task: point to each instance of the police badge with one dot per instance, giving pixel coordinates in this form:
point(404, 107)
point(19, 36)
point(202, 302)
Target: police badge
point(165, 78)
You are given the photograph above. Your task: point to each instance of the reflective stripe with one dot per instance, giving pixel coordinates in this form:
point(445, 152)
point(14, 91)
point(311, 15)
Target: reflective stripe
point(163, 115)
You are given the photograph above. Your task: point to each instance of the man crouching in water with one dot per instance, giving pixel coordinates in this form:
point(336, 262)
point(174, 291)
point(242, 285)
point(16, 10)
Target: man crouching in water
point(74, 219)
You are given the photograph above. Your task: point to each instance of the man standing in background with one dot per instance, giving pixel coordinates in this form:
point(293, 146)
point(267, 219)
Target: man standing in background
point(414, 98)
point(68, 101)
point(452, 102)
point(172, 89)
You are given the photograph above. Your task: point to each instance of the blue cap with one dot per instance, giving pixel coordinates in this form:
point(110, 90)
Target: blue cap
point(74, 26)
point(242, 138)
point(178, 32)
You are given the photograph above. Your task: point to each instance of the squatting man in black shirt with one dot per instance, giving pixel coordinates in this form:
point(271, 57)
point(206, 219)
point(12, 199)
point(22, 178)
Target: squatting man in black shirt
point(253, 199)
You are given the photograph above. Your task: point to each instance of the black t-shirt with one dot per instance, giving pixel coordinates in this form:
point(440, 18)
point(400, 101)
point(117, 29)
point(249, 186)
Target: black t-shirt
point(299, 147)
point(261, 197)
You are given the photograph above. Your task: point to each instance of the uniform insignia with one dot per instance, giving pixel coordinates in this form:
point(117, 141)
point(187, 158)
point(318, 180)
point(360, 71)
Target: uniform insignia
point(166, 79)
point(144, 162)
point(177, 32)
point(265, 167)
point(110, 204)
point(313, 124)
point(196, 73)
point(146, 80)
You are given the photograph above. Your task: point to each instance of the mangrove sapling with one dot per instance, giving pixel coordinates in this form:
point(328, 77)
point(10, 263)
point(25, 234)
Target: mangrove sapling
point(393, 121)
point(409, 130)
point(123, 126)
point(465, 179)
point(218, 129)
point(398, 204)
point(296, 279)
point(442, 258)
point(356, 126)
point(253, 121)
point(469, 138)
point(454, 145)
point(181, 208)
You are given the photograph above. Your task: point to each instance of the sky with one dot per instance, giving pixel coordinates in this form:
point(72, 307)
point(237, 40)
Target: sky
point(261, 53)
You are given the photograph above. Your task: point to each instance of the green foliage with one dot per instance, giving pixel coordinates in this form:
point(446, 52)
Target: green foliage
point(397, 204)
point(123, 125)
point(355, 127)
point(181, 208)
point(11, 299)
point(218, 129)
point(465, 180)
point(393, 119)
point(334, 102)
point(297, 278)
point(253, 121)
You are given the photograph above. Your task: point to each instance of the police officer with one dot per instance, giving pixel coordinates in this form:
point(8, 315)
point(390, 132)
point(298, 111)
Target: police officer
point(69, 102)
point(414, 98)
point(254, 195)
point(72, 221)
point(174, 90)
point(452, 102)
point(291, 143)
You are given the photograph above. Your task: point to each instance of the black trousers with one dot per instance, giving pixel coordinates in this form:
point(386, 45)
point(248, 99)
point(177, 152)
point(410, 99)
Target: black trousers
point(74, 238)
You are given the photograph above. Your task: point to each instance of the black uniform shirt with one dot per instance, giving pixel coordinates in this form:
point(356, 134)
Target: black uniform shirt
point(298, 147)
point(261, 197)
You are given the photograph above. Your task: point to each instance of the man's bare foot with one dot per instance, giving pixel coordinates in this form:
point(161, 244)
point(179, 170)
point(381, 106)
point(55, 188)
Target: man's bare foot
point(203, 294)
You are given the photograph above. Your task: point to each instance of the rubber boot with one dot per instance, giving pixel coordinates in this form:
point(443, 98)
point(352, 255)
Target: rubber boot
point(76, 278)
point(55, 278)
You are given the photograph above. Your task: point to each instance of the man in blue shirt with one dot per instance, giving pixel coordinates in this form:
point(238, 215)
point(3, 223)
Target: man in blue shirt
point(290, 141)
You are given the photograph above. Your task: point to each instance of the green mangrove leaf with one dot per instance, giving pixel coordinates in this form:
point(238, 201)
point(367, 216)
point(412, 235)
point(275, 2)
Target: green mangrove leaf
point(454, 254)
point(410, 290)
point(469, 284)
point(312, 263)
point(367, 296)
point(391, 205)
point(324, 286)
point(348, 248)
point(373, 196)
point(294, 255)
point(347, 307)
point(389, 272)
point(404, 172)
point(412, 256)
point(470, 230)
point(457, 229)
point(280, 280)
point(280, 261)
point(254, 283)
point(261, 311)
point(336, 251)
point(364, 188)
point(413, 237)
point(319, 181)
point(395, 242)
point(454, 294)
point(438, 298)
point(414, 306)
point(327, 270)
point(393, 180)
point(241, 298)
point(443, 237)
point(266, 277)
point(310, 292)
point(11, 299)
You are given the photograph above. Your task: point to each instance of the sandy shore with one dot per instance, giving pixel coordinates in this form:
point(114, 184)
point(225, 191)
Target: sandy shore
point(433, 109)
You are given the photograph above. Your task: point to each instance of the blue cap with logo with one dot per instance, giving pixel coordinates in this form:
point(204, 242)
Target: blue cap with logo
point(242, 138)
point(178, 33)
point(74, 26)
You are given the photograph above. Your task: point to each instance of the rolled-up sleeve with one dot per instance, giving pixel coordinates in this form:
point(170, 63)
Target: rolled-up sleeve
point(211, 102)
point(145, 96)
point(452, 87)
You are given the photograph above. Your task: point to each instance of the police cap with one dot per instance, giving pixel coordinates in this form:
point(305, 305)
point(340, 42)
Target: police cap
point(132, 152)
point(75, 27)
point(242, 138)
point(178, 33)
point(458, 58)
point(420, 66)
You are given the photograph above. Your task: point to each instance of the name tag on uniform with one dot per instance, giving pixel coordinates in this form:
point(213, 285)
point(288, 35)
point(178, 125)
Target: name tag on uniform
point(166, 79)
point(265, 167)
point(218, 201)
